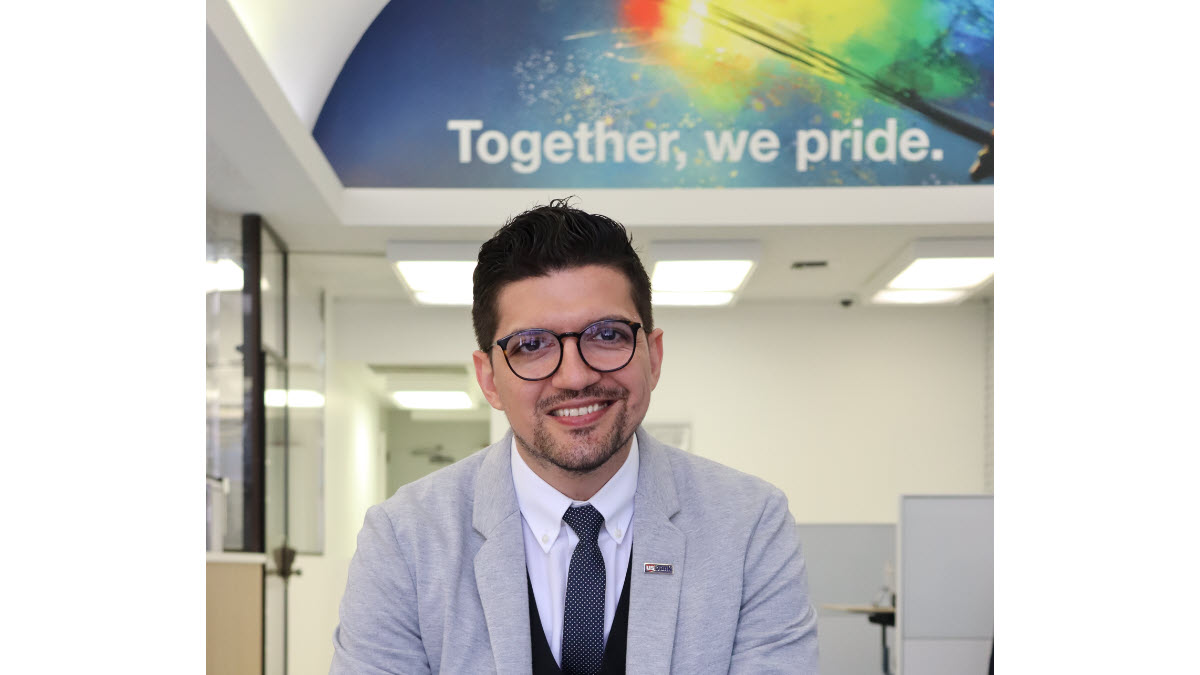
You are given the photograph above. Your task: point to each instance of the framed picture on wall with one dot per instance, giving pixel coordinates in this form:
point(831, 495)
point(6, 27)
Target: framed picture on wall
point(675, 434)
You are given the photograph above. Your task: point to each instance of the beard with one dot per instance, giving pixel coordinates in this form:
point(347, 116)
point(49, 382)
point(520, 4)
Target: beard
point(586, 450)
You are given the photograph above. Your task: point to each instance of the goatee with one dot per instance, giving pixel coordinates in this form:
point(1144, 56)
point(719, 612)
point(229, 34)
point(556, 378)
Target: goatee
point(584, 454)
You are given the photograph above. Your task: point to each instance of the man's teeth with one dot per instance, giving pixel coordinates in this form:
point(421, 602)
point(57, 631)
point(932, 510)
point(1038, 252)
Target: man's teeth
point(575, 412)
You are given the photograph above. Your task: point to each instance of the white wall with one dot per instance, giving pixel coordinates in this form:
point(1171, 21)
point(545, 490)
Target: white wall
point(354, 480)
point(844, 409)
point(376, 331)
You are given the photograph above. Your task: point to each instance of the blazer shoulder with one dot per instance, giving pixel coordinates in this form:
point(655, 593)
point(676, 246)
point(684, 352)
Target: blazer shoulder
point(705, 480)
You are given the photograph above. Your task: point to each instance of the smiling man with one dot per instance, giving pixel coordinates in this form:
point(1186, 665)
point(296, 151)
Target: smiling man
point(578, 543)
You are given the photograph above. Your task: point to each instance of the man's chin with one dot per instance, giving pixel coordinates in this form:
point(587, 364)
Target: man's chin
point(584, 464)
point(578, 451)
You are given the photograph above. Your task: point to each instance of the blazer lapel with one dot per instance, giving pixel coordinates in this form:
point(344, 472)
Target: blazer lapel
point(654, 598)
point(500, 563)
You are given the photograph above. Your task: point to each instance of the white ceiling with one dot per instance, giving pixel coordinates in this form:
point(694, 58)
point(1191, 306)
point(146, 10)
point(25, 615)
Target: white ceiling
point(271, 64)
point(853, 254)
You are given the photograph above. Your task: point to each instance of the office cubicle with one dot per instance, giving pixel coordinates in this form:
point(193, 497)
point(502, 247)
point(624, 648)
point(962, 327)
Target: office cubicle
point(944, 585)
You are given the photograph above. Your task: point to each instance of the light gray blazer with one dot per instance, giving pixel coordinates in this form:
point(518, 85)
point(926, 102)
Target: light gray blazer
point(438, 581)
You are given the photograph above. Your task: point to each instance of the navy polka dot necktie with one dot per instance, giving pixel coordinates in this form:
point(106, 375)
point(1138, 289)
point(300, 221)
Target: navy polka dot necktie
point(583, 620)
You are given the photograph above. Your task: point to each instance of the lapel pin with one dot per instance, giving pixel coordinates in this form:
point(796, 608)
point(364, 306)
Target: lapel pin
point(659, 568)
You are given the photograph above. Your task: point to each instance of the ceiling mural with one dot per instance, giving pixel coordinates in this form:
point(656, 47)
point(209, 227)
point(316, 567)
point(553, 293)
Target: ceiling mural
point(659, 94)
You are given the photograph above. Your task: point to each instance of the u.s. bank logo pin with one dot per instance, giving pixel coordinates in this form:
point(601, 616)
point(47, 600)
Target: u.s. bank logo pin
point(659, 568)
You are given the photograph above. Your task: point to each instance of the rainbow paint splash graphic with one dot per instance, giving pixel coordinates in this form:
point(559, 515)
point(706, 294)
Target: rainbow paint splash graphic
point(666, 93)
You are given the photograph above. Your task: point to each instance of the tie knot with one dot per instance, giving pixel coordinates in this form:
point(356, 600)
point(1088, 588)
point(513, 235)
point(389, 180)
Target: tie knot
point(585, 520)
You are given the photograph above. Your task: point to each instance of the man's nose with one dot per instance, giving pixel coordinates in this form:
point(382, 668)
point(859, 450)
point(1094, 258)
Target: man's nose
point(573, 373)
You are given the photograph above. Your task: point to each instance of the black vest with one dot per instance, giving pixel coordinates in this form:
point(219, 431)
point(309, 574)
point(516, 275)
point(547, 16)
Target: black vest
point(614, 648)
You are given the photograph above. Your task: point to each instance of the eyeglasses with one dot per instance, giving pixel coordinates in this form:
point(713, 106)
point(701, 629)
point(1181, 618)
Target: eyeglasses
point(604, 346)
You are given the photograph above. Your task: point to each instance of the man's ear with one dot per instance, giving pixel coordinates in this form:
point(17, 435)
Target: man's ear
point(485, 376)
point(655, 343)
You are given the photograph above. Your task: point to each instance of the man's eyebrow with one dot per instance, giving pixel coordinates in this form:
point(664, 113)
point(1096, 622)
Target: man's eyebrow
point(612, 317)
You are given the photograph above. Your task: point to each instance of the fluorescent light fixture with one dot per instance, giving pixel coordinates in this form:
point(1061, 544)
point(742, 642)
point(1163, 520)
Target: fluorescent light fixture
point(699, 276)
point(709, 299)
point(932, 271)
point(458, 296)
point(428, 276)
point(701, 273)
point(945, 273)
point(435, 273)
point(432, 400)
point(437, 282)
point(226, 275)
point(918, 297)
point(222, 275)
point(296, 398)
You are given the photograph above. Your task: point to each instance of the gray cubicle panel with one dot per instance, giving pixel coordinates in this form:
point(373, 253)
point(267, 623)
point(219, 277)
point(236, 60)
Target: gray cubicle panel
point(944, 612)
point(846, 565)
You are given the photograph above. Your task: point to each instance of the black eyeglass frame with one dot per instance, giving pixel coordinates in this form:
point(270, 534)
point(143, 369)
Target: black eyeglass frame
point(502, 343)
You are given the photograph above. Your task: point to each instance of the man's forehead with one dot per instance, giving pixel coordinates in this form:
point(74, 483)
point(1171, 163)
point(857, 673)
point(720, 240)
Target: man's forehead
point(563, 298)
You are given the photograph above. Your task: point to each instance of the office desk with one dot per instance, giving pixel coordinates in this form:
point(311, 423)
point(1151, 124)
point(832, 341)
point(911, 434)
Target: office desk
point(884, 616)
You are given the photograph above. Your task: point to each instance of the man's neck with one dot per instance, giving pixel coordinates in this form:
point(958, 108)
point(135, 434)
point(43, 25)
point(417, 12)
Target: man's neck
point(578, 486)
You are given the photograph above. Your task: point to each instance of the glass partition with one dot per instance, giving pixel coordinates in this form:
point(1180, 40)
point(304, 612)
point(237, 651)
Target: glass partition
point(264, 412)
point(225, 385)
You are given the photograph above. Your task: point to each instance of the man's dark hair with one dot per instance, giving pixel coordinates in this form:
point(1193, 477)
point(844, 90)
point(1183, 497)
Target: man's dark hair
point(549, 239)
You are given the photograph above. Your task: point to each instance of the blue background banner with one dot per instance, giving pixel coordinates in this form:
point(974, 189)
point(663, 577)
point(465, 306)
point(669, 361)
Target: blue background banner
point(644, 93)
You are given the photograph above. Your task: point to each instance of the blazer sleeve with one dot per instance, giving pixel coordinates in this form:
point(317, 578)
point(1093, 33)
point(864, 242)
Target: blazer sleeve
point(777, 627)
point(378, 631)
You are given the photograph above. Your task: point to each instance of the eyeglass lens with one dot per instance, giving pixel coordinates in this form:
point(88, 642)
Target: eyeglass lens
point(604, 345)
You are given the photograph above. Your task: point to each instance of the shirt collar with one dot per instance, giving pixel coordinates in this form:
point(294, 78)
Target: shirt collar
point(543, 507)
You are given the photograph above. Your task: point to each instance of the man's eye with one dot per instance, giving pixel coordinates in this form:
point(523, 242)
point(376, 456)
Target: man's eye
point(532, 344)
point(608, 336)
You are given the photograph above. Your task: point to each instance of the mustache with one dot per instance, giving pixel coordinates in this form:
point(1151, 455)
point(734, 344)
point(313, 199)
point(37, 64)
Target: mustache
point(594, 391)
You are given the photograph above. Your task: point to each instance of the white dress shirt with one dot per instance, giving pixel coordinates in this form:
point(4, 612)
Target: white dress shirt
point(549, 542)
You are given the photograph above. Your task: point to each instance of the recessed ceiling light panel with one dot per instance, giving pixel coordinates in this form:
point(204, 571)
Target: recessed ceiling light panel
point(296, 398)
point(918, 297)
point(435, 273)
point(709, 299)
point(458, 296)
point(935, 270)
point(432, 400)
point(222, 275)
point(701, 273)
point(699, 276)
point(945, 273)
